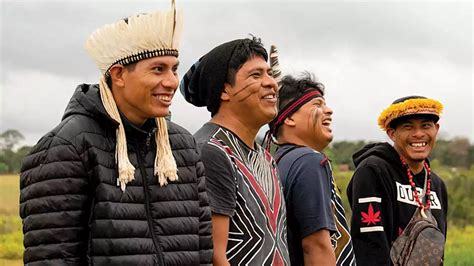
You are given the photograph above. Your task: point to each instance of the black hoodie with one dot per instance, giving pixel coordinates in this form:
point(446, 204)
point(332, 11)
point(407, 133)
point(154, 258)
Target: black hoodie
point(75, 214)
point(382, 202)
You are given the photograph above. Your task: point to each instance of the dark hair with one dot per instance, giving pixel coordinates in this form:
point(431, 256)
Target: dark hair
point(403, 119)
point(292, 88)
point(243, 52)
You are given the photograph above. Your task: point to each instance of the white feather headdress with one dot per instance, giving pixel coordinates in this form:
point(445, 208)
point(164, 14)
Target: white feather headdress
point(125, 42)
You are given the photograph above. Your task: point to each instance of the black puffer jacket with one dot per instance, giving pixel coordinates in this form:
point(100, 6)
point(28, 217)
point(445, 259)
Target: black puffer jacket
point(74, 213)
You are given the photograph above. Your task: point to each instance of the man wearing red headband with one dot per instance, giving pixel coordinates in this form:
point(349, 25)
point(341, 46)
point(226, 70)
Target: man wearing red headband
point(393, 183)
point(317, 229)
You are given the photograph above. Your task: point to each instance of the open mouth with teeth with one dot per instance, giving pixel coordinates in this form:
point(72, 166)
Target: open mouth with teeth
point(326, 122)
point(418, 144)
point(269, 97)
point(164, 97)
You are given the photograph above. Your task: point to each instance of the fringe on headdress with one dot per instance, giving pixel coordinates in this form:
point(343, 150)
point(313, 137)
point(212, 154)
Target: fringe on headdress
point(165, 167)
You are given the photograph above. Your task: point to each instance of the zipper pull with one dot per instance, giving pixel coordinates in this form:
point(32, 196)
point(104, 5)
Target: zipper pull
point(148, 139)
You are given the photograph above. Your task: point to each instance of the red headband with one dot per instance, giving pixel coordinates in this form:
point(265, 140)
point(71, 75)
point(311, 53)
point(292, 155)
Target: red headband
point(291, 107)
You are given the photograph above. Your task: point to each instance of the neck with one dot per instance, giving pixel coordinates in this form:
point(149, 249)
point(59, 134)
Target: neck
point(415, 166)
point(295, 139)
point(245, 131)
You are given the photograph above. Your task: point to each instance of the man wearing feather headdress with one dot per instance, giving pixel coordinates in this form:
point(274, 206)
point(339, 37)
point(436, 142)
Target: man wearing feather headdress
point(235, 83)
point(393, 182)
point(115, 183)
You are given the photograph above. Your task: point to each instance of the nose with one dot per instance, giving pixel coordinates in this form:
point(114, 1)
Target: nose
point(418, 132)
point(269, 82)
point(328, 110)
point(170, 80)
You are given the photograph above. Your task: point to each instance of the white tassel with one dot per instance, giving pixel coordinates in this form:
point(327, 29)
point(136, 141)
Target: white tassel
point(126, 170)
point(165, 165)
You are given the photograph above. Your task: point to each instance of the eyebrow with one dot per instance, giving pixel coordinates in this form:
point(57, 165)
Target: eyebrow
point(259, 68)
point(155, 64)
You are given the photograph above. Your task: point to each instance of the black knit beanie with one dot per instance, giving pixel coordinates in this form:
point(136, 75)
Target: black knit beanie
point(203, 83)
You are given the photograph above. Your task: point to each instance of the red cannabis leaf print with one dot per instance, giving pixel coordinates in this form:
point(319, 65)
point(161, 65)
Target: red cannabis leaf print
point(370, 217)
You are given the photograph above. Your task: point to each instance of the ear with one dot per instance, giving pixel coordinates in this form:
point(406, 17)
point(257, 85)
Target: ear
point(117, 75)
point(225, 92)
point(289, 122)
point(437, 127)
point(391, 134)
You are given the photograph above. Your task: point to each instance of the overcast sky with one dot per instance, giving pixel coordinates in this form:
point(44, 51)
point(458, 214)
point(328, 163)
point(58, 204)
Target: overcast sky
point(366, 53)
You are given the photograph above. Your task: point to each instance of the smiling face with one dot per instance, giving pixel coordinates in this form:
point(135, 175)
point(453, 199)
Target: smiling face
point(145, 90)
point(253, 95)
point(312, 123)
point(414, 138)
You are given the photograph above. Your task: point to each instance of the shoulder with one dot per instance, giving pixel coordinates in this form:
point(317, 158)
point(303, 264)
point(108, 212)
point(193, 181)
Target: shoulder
point(65, 143)
point(372, 161)
point(300, 155)
point(303, 164)
point(175, 129)
point(205, 133)
point(180, 137)
point(71, 131)
point(438, 181)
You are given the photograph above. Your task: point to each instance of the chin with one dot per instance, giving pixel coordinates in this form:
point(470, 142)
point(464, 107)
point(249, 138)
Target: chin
point(161, 113)
point(418, 157)
point(330, 138)
point(269, 116)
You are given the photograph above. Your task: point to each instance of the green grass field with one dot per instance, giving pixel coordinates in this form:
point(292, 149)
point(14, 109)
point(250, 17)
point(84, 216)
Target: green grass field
point(458, 246)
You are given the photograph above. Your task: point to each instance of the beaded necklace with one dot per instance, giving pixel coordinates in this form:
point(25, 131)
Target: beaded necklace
point(413, 187)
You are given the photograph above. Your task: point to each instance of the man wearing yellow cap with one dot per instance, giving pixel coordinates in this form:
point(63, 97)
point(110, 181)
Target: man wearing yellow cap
point(393, 183)
point(115, 183)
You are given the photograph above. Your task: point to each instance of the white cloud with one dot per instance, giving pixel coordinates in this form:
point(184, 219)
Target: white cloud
point(366, 53)
point(33, 101)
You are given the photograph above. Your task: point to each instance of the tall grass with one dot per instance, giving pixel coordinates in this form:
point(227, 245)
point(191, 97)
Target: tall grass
point(11, 237)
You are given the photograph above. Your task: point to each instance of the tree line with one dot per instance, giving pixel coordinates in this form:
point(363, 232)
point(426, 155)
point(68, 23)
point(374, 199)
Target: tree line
point(457, 152)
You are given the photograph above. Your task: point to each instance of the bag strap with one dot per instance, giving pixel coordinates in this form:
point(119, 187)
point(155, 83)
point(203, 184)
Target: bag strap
point(294, 146)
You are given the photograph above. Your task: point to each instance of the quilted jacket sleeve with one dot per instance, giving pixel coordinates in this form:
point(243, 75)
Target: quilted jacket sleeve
point(54, 204)
point(205, 229)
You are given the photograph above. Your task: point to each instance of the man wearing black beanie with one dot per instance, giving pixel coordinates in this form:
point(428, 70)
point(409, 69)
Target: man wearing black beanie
point(235, 83)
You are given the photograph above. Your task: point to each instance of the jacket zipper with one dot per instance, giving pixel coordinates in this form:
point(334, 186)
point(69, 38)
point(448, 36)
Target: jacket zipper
point(154, 237)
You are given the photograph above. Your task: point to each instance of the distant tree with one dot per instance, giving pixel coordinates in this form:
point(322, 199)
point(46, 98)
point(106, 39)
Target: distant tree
point(3, 168)
point(342, 151)
point(455, 153)
point(9, 139)
point(471, 156)
point(10, 160)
